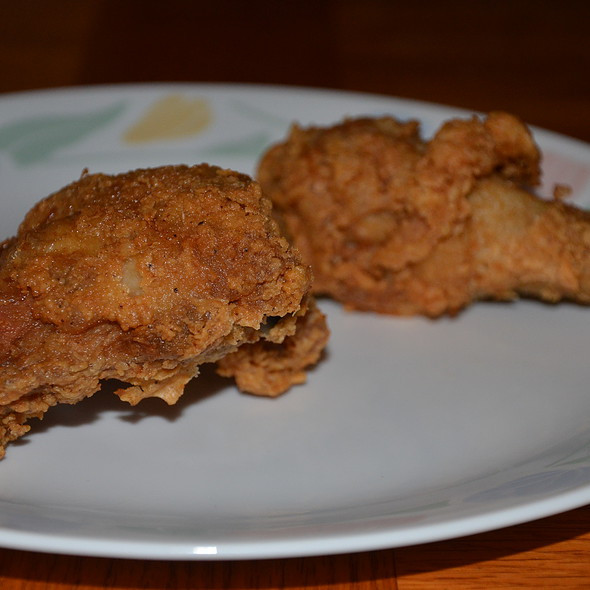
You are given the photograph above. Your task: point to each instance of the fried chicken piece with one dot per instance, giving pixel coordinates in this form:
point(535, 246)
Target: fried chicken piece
point(142, 277)
point(270, 364)
point(513, 244)
point(394, 224)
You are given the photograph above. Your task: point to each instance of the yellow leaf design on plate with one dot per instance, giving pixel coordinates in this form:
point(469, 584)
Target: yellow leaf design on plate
point(172, 117)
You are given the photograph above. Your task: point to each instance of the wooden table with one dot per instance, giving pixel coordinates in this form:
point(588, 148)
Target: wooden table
point(529, 57)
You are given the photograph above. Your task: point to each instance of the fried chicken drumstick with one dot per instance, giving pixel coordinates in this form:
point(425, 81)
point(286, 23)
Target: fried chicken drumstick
point(142, 277)
point(397, 225)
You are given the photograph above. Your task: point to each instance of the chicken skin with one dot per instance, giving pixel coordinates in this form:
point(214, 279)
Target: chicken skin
point(395, 224)
point(513, 244)
point(142, 277)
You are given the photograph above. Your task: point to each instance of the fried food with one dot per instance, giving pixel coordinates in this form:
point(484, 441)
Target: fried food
point(395, 224)
point(513, 244)
point(142, 277)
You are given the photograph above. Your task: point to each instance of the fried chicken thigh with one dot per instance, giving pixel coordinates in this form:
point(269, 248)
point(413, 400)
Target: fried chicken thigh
point(142, 277)
point(395, 224)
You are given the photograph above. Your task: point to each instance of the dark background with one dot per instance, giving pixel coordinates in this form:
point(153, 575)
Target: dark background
point(529, 57)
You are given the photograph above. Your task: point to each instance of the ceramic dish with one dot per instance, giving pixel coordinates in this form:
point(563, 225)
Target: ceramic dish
point(410, 431)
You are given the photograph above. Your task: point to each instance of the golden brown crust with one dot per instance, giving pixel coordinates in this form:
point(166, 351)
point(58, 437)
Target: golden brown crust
point(369, 204)
point(140, 277)
point(269, 366)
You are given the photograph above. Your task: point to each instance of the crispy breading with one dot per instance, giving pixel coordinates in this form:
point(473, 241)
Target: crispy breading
point(513, 244)
point(268, 368)
point(142, 277)
point(395, 224)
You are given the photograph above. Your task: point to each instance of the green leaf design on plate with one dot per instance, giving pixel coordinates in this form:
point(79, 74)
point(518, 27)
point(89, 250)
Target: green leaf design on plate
point(251, 145)
point(251, 112)
point(32, 140)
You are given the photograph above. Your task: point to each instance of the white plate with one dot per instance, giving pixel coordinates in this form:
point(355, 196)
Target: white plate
point(411, 431)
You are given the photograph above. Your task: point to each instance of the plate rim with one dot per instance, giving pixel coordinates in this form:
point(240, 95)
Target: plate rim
point(330, 544)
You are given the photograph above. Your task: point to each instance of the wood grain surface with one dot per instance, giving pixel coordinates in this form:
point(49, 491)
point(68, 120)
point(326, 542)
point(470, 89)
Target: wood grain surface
point(528, 57)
